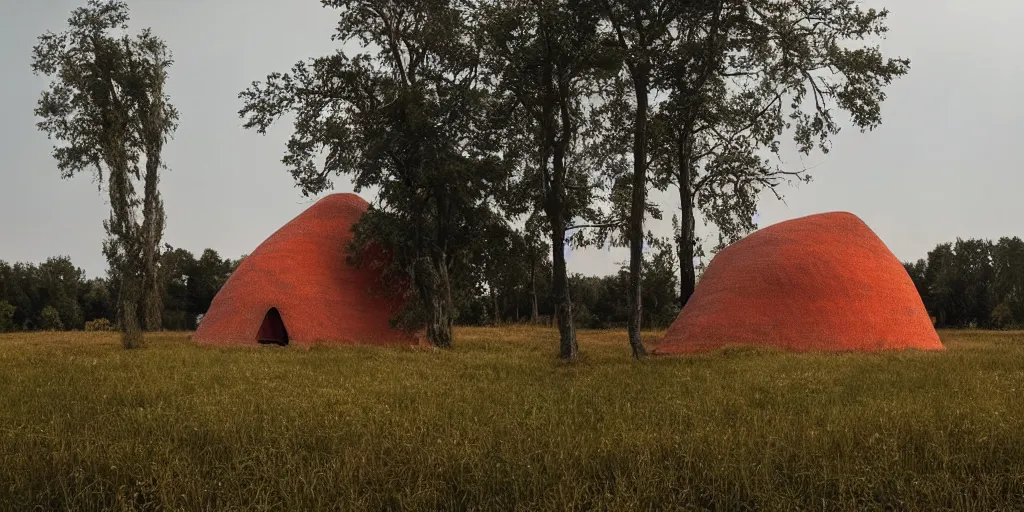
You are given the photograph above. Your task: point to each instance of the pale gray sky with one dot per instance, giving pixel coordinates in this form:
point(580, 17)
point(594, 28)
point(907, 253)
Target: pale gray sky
point(943, 165)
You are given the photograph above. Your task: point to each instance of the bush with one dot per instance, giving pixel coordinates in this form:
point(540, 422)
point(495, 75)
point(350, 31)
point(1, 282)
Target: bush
point(49, 319)
point(6, 316)
point(100, 324)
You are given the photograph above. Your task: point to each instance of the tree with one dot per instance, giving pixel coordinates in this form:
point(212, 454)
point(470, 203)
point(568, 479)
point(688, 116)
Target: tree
point(175, 267)
point(50, 319)
point(1008, 281)
point(403, 115)
point(107, 108)
point(95, 299)
point(960, 277)
point(60, 282)
point(641, 29)
point(545, 58)
point(660, 286)
point(204, 279)
point(19, 284)
point(918, 274)
point(6, 316)
point(743, 71)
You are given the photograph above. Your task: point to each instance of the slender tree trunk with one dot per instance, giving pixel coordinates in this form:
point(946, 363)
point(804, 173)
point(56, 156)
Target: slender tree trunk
point(128, 314)
point(568, 348)
point(556, 98)
point(494, 303)
point(636, 214)
point(686, 240)
point(152, 232)
point(534, 312)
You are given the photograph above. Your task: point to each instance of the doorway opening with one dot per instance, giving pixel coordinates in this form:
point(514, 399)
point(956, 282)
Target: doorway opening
point(272, 331)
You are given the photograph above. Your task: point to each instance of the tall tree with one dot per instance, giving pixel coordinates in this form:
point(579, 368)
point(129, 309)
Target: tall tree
point(403, 115)
point(641, 28)
point(545, 57)
point(740, 73)
point(107, 107)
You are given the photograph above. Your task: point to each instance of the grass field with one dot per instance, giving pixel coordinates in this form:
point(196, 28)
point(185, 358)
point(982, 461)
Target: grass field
point(499, 424)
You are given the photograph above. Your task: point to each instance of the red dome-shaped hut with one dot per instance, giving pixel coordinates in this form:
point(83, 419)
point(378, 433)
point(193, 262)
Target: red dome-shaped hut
point(822, 282)
point(297, 287)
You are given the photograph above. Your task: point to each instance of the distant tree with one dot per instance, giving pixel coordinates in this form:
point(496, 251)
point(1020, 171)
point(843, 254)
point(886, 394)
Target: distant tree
point(95, 299)
point(6, 316)
point(204, 279)
point(660, 286)
point(1008, 282)
point(918, 274)
point(403, 115)
point(49, 319)
point(175, 267)
point(537, 251)
point(60, 282)
point(107, 107)
point(20, 286)
point(960, 278)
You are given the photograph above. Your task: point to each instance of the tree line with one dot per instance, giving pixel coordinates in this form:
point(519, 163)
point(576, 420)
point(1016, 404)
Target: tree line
point(495, 130)
point(56, 295)
point(973, 283)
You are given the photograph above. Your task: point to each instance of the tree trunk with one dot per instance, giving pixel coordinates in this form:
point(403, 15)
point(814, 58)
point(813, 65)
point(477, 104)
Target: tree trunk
point(128, 315)
point(568, 348)
point(435, 290)
point(152, 232)
point(123, 251)
point(494, 303)
point(534, 312)
point(686, 241)
point(636, 214)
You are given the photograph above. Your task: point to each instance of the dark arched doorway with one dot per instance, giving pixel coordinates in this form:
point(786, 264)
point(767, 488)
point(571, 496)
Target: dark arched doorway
point(272, 331)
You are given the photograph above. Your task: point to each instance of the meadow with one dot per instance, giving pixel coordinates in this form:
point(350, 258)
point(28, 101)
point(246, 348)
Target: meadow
point(499, 424)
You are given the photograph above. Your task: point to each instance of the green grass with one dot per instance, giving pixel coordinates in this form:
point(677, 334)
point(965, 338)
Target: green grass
point(498, 424)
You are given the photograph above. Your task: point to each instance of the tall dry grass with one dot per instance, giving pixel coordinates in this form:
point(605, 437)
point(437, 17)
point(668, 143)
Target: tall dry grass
point(498, 424)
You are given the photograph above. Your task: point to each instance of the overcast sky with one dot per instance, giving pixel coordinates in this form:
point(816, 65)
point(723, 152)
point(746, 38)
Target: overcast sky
point(944, 164)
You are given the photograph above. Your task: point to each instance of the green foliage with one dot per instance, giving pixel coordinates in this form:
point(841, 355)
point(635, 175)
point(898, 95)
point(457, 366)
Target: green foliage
point(7, 316)
point(49, 319)
point(60, 285)
point(738, 77)
point(100, 324)
point(400, 116)
point(602, 302)
point(739, 430)
point(188, 287)
point(106, 107)
point(973, 283)
point(546, 60)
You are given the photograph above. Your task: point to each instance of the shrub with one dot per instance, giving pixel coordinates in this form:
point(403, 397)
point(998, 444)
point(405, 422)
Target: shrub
point(99, 324)
point(49, 319)
point(6, 316)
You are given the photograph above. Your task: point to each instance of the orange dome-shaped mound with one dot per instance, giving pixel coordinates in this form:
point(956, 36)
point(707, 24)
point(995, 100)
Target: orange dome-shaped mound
point(822, 282)
point(297, 287)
